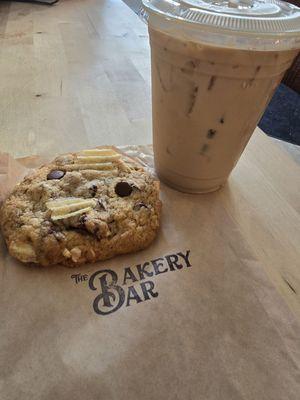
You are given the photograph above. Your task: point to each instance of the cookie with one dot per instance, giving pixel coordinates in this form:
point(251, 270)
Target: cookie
point(82, 207)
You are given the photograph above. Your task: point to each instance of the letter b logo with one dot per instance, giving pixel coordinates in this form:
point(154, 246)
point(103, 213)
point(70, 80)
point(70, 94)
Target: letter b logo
point(111, 296)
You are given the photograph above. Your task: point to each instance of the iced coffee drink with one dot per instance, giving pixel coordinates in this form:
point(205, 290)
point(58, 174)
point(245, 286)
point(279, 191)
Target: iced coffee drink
point(206, 103)
point(209, 90)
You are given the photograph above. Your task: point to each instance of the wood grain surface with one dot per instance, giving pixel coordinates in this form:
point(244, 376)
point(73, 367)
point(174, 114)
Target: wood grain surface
point(73, 75)
point(77, 75)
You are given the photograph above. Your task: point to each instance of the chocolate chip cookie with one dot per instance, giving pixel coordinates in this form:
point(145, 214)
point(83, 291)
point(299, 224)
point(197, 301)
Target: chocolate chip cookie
point(80, 208)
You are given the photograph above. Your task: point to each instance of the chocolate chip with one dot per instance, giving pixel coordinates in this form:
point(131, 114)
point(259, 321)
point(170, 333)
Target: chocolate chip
point(222, 120)
point(55, 174)
point(138, 206)
point(123, 189)
point(93, 190)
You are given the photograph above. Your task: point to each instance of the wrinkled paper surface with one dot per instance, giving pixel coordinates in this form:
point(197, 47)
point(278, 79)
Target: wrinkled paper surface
point(203, 321)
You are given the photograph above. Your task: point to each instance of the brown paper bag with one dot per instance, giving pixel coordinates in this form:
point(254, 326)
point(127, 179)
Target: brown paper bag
point(191, 317)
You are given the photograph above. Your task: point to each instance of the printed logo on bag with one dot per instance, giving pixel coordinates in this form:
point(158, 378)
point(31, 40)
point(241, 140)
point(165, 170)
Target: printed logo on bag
point(113, 291)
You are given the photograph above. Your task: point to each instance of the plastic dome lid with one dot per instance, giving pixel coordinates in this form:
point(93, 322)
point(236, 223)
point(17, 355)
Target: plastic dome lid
point(261, 18)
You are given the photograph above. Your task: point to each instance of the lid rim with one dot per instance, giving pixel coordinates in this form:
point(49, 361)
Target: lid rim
point(234, 24)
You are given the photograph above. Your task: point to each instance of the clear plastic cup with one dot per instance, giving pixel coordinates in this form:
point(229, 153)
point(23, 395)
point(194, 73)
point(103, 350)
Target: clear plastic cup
point(215, 66)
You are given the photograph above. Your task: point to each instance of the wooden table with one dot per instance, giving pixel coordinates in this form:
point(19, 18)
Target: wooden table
point(78, 75)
